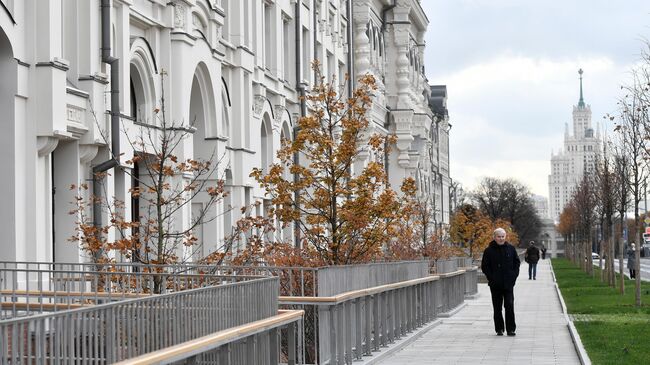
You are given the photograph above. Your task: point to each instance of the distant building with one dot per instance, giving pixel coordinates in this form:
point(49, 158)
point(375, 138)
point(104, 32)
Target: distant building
point(541, 205)
point(577, 158)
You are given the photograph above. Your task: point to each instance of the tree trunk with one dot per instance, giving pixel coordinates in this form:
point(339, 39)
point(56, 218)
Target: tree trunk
point(637, 254)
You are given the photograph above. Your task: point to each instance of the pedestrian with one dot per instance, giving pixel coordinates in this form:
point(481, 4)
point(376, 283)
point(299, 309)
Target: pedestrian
point(631, 260)
point(543, 253)
point(500, 265)
point(532, 257)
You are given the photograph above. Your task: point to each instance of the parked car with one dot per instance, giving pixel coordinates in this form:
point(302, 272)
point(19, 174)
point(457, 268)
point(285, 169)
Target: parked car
point(595, 256)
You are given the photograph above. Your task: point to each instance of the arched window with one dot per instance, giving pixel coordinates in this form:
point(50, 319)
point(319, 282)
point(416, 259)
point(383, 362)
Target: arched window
point(142, 71)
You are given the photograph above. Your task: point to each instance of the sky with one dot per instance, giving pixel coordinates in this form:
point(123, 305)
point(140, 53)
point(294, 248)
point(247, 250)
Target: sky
point(511, 70)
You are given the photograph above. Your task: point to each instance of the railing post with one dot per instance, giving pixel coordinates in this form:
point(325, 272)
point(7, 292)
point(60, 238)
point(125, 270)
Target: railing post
point(375, 321)
point(224, 354)
point(391, 310)
point(341, 331)
point(358, 330)
point(273, 347)
point(347, 307)
point(368, 334)
point(291, 340)
point(333, 331)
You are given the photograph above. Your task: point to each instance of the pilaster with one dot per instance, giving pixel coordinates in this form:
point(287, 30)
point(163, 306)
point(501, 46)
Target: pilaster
point(402, 119)
point(401, 37)
point(361, 41)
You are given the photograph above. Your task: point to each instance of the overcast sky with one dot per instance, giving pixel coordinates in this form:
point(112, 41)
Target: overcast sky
point(511, 70)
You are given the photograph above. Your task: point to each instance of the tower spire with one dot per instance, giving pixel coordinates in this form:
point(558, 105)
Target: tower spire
point(581, 102)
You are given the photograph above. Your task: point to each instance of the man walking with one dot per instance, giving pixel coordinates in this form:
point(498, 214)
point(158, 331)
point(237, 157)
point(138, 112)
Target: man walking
point(500, 265)
point(532, 257)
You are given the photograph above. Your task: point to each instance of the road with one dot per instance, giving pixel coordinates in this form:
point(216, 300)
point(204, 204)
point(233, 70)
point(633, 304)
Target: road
point(645, 267)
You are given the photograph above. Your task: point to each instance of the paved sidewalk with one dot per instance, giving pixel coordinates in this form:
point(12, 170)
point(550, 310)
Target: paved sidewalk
point(468, 337)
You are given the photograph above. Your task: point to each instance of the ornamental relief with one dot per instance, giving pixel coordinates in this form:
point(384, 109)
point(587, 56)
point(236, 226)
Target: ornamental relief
point(258, 105)
point(75, 114)
point(179, 16)
point(278, 113)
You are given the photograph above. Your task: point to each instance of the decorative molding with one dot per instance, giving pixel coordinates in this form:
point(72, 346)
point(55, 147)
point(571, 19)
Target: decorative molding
point(278, 112)
point(258, 105)
point(46, 144)
point(57, 63)
point(98, 77)
point(179, 16)
point(75, 114)
point(76, 130)
point(87, 152)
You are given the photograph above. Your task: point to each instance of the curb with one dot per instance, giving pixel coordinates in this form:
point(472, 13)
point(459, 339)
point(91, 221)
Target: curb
point(453, 311)
point(575, 337)
point(402, 343)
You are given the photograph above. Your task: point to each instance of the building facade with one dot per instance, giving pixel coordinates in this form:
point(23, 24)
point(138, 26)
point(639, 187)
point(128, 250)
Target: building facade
point(575, 159)
point(541, 206)
point(80, 76)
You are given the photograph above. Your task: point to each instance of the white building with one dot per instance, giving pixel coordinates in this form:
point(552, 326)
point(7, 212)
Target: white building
point(577, 158)
point(234, 67)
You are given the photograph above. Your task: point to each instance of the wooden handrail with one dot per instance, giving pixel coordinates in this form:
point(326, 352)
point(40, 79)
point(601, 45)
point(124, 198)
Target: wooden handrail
point(453, 273)
point(215, 340)
point(46, 307)
point(59, 293)
point(332, 300)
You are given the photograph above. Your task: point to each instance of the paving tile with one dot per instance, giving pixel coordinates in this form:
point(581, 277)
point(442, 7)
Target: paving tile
point(468, 337)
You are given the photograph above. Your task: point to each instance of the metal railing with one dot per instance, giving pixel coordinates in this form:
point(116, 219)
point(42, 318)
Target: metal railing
point(111, 332)
point(370, 306)
point(334, 280)
point(218, 348)
point(27, 291)
point(445, 266)
point(345, 327)
point(301, 281)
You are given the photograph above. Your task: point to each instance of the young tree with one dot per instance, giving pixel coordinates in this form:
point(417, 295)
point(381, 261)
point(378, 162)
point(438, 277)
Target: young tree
point(605, 180)
point(345, 216)
point(165, 186)
point(621, 189)
point(584, 200)
point(632, 121)
point(567, 227)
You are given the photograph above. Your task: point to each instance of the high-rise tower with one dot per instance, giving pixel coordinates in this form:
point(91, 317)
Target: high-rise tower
point(576, 159)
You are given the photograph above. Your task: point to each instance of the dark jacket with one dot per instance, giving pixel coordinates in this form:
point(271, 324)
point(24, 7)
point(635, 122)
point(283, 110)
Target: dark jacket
point(631, 259)
point(532, 255)
point(500, 265)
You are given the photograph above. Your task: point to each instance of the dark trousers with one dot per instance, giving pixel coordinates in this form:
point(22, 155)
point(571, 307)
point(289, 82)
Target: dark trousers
point(501, 298)
point(532, 270)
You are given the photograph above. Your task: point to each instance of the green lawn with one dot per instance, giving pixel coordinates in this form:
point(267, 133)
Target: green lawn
point(612, 329)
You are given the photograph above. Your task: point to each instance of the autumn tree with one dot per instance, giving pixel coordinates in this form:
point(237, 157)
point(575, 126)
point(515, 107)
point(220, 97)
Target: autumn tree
point(510, 200)
point(345, 215)
point(567, 228)
point(164, 187)
point(471, 229)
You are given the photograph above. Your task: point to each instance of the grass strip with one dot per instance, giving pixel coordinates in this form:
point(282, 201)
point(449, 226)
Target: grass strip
point(612, 329)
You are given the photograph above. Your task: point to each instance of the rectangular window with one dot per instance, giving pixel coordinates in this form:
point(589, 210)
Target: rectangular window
point(306, 56)
point(287, 44)
point(268, 37)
